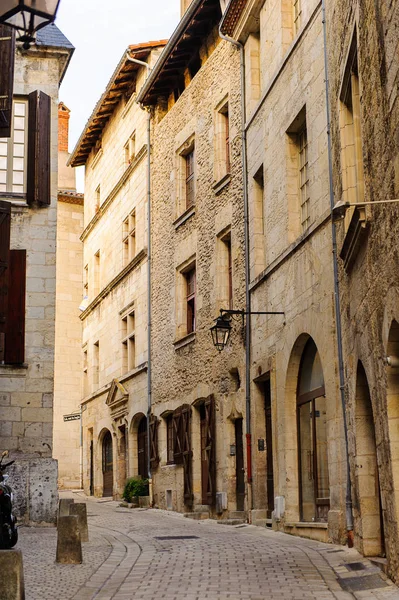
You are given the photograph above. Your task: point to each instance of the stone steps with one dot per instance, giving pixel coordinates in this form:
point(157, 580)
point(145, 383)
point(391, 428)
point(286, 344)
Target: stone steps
point(197, 516)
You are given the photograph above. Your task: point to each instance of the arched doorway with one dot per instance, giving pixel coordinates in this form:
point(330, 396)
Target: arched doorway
point(369, 532)
point(142, 448)
point(107, 465)
point(314, 488)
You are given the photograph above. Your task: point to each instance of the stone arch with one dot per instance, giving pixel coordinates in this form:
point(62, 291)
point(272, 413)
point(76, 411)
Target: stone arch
point(369, 535)
point(133, 443)
point(290, 429)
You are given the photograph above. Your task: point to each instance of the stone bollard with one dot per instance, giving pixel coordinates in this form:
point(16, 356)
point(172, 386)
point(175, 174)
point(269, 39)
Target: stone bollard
point(63, 507)
point(12, 578)
point(79, 509)
point(69, 546)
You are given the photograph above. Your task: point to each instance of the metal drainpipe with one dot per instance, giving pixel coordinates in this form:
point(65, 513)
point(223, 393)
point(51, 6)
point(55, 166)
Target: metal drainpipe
point(247, 274)
point(149, 314)
point(349, 513)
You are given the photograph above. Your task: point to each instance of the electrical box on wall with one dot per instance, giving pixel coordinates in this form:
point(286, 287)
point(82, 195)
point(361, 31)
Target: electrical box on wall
point(279, 507)
point(221, 502)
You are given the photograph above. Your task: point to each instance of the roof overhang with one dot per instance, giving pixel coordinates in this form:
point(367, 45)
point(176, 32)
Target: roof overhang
point(241, 18)
point(122, 81)
point(199, 19)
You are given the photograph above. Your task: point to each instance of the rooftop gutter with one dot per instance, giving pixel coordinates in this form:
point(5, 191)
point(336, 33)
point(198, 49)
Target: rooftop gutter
point(167, 51)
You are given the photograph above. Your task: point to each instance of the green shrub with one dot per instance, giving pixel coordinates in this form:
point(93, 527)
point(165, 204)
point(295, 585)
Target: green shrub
point(135, 486)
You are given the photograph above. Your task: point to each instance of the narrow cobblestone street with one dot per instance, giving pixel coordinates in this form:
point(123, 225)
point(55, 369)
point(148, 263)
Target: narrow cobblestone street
point(146, 554)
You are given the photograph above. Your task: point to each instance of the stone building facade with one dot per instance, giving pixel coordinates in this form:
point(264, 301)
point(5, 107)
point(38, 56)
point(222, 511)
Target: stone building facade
point(197, 268)
point(68, 326)
point(363, 51)
point(113, 148)
point(299, 473)
point(28, 194)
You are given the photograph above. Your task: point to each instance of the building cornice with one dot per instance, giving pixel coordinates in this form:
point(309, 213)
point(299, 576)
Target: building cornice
point(112, 284)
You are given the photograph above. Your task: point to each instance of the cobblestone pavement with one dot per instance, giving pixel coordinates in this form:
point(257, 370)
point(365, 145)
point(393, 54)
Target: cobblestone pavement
point(149, 554)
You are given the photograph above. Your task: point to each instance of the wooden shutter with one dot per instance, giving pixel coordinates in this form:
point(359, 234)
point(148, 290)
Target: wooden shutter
point(154, 456)
point(39, 124)
point(5, 225)
point(7, 59)
point(178, 449)
point(210, 448)
point(15, 324)
point(187, 454)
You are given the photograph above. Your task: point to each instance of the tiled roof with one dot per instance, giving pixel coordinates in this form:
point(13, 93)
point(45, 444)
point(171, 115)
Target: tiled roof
point(122, 81)
point(52, 36)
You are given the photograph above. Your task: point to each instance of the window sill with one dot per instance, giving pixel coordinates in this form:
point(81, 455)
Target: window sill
point(13, 370)
point(218, 186)
point(184, 341)
point(184, 217)
point(18, 200)
point(168, 466)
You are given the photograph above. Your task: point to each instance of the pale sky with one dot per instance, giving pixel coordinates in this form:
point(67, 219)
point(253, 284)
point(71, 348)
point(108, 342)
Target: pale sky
point(101, 30)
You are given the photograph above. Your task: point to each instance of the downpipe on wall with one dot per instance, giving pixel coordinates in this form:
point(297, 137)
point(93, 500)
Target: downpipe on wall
point(348, 499)
point(149, 312)
point(247, 274)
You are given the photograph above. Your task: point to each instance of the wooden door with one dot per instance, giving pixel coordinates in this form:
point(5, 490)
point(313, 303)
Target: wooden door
point(269, 451)
point(240, 480)
point(142, 450)
point(208, 458)
point(91, 468)
point(108, 466)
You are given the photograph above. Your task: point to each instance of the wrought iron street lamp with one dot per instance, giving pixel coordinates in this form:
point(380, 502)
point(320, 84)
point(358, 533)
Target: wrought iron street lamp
point(27, 16)
point(222, 328)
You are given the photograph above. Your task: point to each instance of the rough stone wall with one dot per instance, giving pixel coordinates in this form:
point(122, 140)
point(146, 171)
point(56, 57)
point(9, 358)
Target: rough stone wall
point(26, 392)
point(297, 271)
point(189, 369)
point(369, 290)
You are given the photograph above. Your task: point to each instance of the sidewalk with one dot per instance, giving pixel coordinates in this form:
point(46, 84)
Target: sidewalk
point(151, 554)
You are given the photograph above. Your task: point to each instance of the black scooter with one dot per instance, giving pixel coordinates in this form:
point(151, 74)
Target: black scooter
point(8, 523)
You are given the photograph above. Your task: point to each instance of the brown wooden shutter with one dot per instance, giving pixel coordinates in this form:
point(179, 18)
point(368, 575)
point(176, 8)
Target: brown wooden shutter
point(154, 456)
point(39, 124)
point(5, 225)
point(187, 454)
point(210, 448)
point(15, 324)
point(177, 436)
point(7, 59)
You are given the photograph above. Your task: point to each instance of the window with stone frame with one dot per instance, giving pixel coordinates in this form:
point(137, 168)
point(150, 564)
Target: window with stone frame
point(186, 173)
point(13, 151)
point(129, 238)
point(222, 141)
point(97, 273)
point(190, 300)
point(85, 373)
point(351, 135)
point(185, 299)
point(298, 192)
point(297, 15)
point(128, 342)
point(224, 271)
point(96, 365)
point(86, 281)
point(130, 149)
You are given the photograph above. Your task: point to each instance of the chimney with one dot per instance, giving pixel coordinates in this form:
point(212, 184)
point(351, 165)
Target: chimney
point(63, 127)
